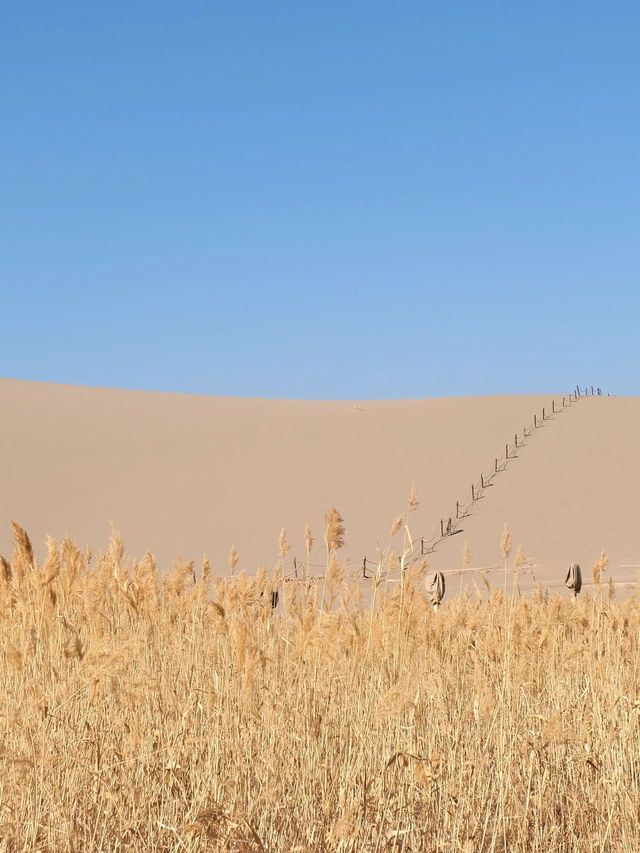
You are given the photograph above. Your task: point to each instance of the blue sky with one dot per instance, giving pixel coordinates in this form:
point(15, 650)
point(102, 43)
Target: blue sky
point(325, 200)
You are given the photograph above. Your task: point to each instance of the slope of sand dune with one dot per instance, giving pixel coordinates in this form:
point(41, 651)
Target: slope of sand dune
point(186, 476)
point(571, 492)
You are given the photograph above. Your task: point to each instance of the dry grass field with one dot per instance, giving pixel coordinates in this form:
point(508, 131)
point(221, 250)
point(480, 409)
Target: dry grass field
point(182, 712)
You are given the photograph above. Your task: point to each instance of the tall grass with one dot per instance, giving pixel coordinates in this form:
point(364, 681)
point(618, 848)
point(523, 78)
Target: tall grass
point(143, 711)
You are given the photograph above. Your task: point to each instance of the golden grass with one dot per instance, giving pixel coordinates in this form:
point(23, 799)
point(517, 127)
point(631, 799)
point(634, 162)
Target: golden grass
point(148, 712)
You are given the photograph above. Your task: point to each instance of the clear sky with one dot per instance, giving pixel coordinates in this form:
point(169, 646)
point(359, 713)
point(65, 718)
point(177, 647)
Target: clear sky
point(326, 200)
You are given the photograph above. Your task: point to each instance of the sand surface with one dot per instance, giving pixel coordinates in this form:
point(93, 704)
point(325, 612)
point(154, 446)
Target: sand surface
point(187, 476)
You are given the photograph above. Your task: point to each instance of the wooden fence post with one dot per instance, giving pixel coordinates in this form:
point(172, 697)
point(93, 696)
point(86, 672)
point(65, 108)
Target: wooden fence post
point(496, 465)
point(535, 421)
point(364, 567)
point(442, 528)
point(422, 546)
point(473, 492)
point(457, 510)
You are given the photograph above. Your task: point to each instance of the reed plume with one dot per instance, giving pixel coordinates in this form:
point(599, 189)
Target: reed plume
point(308, 544)
point(413, 502)
point(233, 559)
point(5, 569)
point(308, 540)
point(334, 530)
point(601, 565)
point(396, 526)
point(283, 544)
point(505, 543)
point(23, 552)
point(519, 562)
point(205, 572)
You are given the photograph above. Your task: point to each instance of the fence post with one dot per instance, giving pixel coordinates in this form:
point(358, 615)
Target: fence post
point(364, 567)
point(422, 546)
point(506, 451)
point(473, 493)
point(457, 510)
point(496, 465)
point(442, 528)
point(544, 414)
point(295, 567)
point(482, 480)
point(535, 421)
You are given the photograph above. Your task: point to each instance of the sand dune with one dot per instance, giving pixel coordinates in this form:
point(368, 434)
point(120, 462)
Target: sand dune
point(187, 475)
point(572, 491)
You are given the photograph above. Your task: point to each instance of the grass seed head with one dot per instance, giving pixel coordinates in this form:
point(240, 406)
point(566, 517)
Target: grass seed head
point(51, 568)
point(205, 572)
point(413, 502)
point(23, 544)
point(5, 569)
point(308, 539)
point(334, 530)
point(283, 545)
point(233, 559)
point(520, 560)
point(396, 526)
point(505, 543)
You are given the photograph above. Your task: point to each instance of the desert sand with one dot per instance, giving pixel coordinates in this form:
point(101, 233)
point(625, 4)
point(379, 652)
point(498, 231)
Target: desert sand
point(187, 476)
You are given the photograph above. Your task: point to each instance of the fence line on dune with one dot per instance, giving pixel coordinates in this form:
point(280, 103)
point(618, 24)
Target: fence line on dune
point(450, 524)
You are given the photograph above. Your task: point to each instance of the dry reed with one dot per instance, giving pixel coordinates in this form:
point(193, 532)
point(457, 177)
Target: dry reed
point(146, 712)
